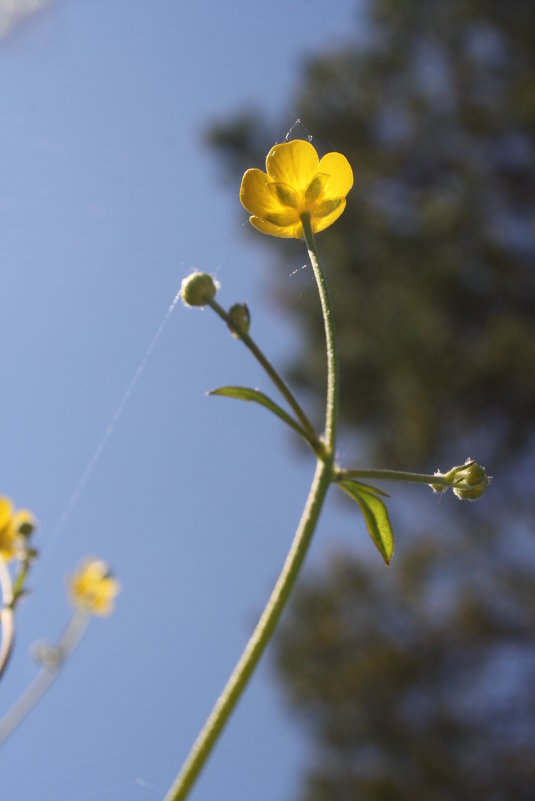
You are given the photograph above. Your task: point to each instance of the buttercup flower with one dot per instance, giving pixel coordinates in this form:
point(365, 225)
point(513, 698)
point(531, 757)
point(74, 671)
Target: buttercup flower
point(15, 526)
point(92, 588)
point(296, 182)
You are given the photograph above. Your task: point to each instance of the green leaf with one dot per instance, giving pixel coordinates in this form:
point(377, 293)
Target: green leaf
point(375, 514)
point(246, 394)
point(365, 487)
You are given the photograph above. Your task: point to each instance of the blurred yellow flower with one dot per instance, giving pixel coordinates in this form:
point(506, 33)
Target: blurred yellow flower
point(92, 588)
point(296, 182)
point(15, 526)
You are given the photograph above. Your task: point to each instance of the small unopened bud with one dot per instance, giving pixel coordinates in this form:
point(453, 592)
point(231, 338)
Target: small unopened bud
point(24, 523)
point(198, 289)
point(471, 481)
point(239, 320)
point(46, 655)
point(468, 481)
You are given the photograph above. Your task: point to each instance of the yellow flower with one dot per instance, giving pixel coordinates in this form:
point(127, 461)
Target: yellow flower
point(296, 182)
point(15, 526)
point(92, 588)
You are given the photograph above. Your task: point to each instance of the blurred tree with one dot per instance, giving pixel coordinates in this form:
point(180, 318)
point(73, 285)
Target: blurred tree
point(431, 267)
point(418, 685)
point(414, 683)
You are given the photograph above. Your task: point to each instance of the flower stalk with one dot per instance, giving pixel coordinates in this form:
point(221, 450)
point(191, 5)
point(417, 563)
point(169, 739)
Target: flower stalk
point(331, 414)
point(259, 639)
point(278, 381)
point(296, 197)
point(92, 590)
point(468, 481)
point(52, 659)
point(323, 477)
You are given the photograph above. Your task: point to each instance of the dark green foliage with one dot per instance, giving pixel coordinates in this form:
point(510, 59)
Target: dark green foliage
point(416, 685)
point(417, 682)
point(431, 267)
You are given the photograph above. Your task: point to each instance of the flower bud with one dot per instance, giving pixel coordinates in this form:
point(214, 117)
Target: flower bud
point(471, 481)
point(24, 523)
point(46, 655)
point(198, 289)
point(468, 481)
point(239, 319)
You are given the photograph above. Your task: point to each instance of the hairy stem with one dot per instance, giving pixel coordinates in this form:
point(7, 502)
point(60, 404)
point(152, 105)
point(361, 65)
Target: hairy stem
point(392, 475)
point(52, 664)
point(322, 479)
point(259, 639)
point(272, 373)
point(331, 416)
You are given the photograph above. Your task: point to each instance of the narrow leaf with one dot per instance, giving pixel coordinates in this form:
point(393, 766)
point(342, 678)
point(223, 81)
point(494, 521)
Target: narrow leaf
point(376, 517)
point(246, 394)
point(365, 487)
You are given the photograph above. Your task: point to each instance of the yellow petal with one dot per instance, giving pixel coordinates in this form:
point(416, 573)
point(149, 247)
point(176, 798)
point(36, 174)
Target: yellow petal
point(92, 589)
point(6, 510)
point(255, 194)
point(286, 232)
point(321, 223)
point(294, 163)
point(8, 543)
point(8, 546)
point(340, 179)
point(103, 597)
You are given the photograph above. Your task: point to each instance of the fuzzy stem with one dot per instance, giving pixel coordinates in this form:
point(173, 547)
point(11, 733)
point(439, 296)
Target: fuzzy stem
point(393, 475)
point(273, 374)
point(59, 653)
point(318, 490)
point(259, 639)
point(330, 337)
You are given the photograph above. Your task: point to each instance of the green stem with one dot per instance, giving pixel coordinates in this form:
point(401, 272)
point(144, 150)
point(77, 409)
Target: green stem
point(51, 667)
point(259, 639)
point(392, 475)
point(273, 374)
point(330, 337)
point(318, 490)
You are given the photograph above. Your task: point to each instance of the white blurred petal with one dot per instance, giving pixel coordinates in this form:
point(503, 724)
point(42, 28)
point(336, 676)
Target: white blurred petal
point(14, 11)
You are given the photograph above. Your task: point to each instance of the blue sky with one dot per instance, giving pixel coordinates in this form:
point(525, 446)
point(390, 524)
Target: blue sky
point(109, 197)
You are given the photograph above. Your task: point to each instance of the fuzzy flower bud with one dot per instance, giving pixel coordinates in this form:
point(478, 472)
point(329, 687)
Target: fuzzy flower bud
point(468, 481)
point(239, 319)
point(472, 481)
point(198, 289)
